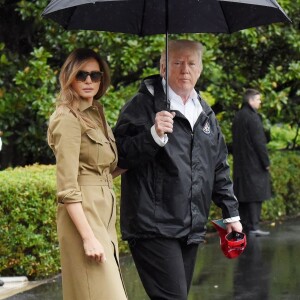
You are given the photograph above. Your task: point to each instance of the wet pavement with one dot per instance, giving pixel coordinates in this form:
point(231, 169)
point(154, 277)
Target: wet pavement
point(267, 270)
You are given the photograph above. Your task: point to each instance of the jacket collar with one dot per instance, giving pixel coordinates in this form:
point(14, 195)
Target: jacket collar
point(152, 85)
point(248, 106)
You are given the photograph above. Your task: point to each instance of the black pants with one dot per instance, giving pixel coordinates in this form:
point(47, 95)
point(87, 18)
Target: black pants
point(165, 266)
point(250, 215)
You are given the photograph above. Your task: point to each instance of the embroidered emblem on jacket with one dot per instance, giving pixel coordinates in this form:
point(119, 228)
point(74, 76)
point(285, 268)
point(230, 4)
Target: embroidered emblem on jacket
point(206, 128)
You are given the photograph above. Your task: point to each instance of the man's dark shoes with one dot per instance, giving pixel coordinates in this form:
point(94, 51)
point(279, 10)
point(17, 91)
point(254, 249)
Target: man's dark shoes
point(259, 232)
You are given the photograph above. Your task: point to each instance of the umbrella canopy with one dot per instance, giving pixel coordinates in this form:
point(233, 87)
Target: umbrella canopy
point(147, 17)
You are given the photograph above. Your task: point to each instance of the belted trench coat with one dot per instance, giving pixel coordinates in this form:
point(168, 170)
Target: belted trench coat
point(85, 158)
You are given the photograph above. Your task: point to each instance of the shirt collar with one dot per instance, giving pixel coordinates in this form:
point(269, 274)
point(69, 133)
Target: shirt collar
point(176, 98)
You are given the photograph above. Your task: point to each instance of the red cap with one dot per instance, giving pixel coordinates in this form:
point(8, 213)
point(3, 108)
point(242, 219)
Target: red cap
point(233, 243)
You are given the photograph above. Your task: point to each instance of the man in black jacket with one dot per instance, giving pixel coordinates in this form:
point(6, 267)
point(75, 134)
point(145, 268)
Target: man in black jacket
point(176, 161)
point(250, 162)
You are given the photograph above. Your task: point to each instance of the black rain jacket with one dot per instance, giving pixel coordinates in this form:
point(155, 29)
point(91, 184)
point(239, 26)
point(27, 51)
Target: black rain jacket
point(167, 191)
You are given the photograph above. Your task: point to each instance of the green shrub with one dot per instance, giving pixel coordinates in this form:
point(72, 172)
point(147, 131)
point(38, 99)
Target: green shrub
point(285, 173)
point(29, 244)
point(27, 222)
point(282, 137)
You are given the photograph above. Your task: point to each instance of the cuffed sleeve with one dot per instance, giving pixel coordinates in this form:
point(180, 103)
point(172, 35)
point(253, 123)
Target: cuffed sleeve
point(69, 195)
point(231, 220)
point(64, 137)
point(159, 141)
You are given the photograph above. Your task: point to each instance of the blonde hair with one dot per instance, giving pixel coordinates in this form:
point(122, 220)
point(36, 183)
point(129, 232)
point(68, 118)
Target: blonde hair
point(177, 45)
point(67, 97)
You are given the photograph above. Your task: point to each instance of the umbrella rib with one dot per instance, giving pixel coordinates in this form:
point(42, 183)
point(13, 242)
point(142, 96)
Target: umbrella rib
point(228, 28)
point(143, 16)
point(280, 9)
point(70, 17)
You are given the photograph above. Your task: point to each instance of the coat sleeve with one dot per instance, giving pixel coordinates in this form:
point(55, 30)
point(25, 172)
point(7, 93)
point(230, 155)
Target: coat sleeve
point(64, 137)
point(259, 141)
point(133, 134)
point(223, 195)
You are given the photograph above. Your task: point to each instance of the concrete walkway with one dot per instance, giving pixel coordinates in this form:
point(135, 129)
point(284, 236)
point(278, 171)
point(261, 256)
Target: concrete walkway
point(267, 270)
point(15, 285)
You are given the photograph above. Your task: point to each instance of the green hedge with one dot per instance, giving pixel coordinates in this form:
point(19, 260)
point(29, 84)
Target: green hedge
point(285, 172)
point(28, 244)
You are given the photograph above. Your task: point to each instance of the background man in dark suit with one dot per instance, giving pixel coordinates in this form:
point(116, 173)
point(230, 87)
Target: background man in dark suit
point(250, 162)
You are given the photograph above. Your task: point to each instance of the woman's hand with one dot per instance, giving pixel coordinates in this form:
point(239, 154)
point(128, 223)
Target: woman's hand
point(92, 247)
point(117, 171)
point(94, 250)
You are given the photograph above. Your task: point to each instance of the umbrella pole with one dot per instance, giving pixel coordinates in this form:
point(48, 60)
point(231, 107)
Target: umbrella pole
point(167, 55)
point(167, 72)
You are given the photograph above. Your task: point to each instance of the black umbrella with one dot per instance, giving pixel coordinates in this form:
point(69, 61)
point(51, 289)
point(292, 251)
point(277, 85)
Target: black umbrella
point(147, 17)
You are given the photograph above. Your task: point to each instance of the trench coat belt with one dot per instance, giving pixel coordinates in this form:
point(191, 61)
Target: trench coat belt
point(103, 180)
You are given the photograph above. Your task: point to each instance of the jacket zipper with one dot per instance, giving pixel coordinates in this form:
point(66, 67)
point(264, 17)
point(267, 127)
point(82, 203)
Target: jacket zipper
point(192, 145)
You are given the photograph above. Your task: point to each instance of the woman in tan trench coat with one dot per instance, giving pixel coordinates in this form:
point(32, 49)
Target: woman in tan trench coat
point(86, 156)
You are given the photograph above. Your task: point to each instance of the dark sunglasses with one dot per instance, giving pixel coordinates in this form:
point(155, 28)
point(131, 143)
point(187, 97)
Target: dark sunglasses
point(95, 76)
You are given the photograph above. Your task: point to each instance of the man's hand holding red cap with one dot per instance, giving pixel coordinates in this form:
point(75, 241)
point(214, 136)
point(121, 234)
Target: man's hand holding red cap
point(234, 226)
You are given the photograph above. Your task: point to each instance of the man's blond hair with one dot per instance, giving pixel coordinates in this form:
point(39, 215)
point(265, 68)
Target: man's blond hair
point(177, 45)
